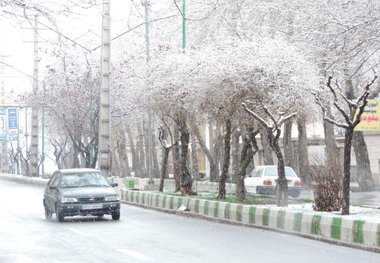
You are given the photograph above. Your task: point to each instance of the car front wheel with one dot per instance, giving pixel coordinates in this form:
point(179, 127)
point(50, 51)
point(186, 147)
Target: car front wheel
point(48, 213)
point(59, 216)
point(115, 215)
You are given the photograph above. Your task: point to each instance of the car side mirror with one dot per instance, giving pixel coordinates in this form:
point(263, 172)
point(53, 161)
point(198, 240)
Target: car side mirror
point(114, 184)
point(52, 187)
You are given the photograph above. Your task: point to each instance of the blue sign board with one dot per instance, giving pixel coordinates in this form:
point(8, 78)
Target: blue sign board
point(8, 124)
point(12, 124)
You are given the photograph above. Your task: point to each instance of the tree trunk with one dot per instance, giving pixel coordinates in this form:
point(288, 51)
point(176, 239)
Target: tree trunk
point(346, 172)
point(247, 152)
point(226, 161)
point(186, 181)
point(194, 157)
point(235, 152)
point(164, 168)
point(214, 169)
point(141, 153)
point(363, 167)
point(84, 157)
point(175, 158)
point(116, 170)
point(303, 155)
point(330, 142)
point(75, 158)
point(219, 144)
point(146, 149)
point(123, 155)
point(282, 182)
point(288, 146)
point(156, 166)
point(133, 150)
point(267, 151)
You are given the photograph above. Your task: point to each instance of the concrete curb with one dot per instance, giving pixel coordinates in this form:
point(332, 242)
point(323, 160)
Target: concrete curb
point(331, 228)
point(36, 181)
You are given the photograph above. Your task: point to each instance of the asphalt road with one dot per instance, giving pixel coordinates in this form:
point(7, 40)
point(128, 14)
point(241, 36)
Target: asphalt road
point(144, 235)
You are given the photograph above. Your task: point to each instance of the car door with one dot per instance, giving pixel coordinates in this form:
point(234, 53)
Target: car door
point(253, 179)
point(50, 193)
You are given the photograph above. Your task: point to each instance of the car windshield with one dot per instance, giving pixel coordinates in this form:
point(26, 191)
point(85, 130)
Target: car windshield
point(88, 179)
point(272, 171)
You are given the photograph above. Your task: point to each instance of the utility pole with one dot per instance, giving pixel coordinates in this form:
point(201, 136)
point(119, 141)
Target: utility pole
point(150, 137)
point(105, 109)
point(34, 131)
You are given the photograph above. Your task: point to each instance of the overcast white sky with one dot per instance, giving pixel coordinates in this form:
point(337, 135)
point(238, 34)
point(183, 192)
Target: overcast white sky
point(16, 41)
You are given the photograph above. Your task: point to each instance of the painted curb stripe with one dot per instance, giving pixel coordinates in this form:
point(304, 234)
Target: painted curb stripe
point(206, 208)
point(316, 225)
point(281, 219)
point(266, 213)
point(239, 213)
point(227, 211)
point(297, 223)
point(216, 209)
point(252, 215)
point(357, 231)
point(156, 200)
point(336, 227)
point(197, 206)
point(143, 198)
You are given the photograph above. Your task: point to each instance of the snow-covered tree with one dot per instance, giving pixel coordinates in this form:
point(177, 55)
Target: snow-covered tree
point(71, 101)
point(351, 111)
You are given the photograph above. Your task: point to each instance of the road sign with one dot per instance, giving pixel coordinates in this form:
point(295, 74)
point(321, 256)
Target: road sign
point(8, 124)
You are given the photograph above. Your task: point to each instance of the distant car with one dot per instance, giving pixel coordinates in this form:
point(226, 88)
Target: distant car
point(262, 180)
point(72, 192)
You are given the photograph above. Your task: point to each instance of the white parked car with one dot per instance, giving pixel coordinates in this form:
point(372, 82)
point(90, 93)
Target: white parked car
point(262, 180)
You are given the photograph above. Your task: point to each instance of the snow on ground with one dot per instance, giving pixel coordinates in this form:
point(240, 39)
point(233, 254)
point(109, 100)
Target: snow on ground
point(356, 212)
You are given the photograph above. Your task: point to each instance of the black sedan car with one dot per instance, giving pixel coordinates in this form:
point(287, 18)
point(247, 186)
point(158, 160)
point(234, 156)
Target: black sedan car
point(72, 192)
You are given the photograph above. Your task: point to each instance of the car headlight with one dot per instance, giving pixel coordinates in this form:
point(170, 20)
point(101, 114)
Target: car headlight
point(111, 198)
point(68, 200)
